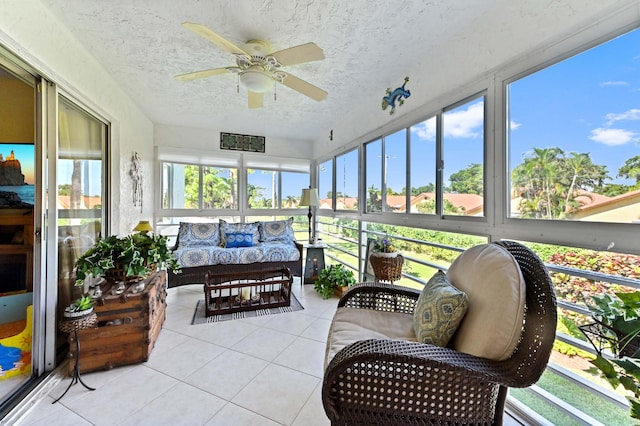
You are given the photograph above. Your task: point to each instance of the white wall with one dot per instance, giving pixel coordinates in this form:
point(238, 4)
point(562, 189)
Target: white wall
point(35, 36)
point(207, 142)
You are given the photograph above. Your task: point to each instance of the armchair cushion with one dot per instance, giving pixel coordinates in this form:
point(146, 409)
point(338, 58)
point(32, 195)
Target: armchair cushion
point(439, 311)
point(493, 282)
point(353, 324)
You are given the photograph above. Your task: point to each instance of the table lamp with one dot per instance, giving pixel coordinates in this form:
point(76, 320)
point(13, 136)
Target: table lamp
point(309, 198)
point(143, 227)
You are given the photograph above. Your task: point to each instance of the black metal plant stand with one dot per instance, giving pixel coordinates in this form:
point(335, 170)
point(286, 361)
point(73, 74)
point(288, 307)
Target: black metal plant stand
point(72, 326)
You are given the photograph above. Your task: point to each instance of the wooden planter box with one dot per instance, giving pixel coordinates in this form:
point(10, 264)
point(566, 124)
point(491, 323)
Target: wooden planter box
point(128, 326)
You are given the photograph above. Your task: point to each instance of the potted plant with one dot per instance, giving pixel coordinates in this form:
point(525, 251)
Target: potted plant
point(383, 247)
point(127, 259)
point(617, 328)
point(333, 278)
point(79, 308)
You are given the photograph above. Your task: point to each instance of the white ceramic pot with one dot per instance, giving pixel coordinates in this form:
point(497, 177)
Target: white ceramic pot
point(381, 254)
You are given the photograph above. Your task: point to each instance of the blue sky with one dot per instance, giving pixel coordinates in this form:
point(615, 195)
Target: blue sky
point(589, 103)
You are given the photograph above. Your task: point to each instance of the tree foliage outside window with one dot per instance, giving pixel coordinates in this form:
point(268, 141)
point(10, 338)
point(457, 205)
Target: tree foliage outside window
point(549, 182)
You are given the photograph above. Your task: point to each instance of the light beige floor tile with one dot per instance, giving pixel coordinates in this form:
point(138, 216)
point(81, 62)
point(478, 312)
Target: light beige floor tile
point(184, 359)
point(227, 374)
point(231, 414)
point(45, 413)
point(225, 333)
point(167, 340)
point(281, 399)
point(264, 343)
point(304, 355)
point(312, 414)
point(318, 330)
point(118, 399)
point(180, 405)
point(293, 322)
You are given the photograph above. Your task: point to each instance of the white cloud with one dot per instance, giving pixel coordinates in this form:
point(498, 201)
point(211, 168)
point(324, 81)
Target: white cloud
point(632, 114)
point(612, 137)
point(459, 124)
point(614, 83)
point(425, 130)
point(513, 125)
point(465, 123)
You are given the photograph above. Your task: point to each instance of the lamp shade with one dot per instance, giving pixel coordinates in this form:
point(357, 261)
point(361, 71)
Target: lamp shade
point(143, 226)
point(309, 197)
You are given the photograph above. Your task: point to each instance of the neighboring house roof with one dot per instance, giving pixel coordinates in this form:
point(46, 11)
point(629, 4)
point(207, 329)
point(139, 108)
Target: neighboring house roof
point(88, 202)
point(342, 203)
point(624, 207)
point(472, 204)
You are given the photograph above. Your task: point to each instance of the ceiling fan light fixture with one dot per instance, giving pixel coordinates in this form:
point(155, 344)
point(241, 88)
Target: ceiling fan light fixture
point(256, 80)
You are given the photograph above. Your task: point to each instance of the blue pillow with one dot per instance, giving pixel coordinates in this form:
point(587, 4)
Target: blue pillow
point(238, 239)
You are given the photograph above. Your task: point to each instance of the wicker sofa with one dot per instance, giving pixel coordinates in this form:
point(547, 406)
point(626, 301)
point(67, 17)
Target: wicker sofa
point(216, 248)
point(377, 370)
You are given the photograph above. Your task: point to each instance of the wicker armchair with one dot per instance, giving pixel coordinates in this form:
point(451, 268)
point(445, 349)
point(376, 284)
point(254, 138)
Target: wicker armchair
point(395, 382)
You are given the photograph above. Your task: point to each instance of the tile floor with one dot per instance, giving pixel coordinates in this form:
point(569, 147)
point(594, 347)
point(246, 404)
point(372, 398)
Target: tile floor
point(254, 371)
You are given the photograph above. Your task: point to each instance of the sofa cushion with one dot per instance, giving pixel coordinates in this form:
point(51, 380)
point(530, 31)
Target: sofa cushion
point(351, 324)
point(238, 239)
point(278, 230)
point(214, 255)
point(493, 282)
point(245, 228)
point(198, 234)
point(439, 310)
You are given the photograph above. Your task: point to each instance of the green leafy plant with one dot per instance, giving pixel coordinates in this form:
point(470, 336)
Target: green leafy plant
point(138, 254)
point(333, 277)
point(81, 304)
point(383, 245)
point(617, 326)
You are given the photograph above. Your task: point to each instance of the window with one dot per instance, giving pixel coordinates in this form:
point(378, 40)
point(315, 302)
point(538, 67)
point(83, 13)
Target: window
point(190, 186)
point(325, 185)
point(347, 181)
point(264, 187)
point(395, 172)
point(373, 178)
point(573, 131)
point(423, 166)
point(463, 159)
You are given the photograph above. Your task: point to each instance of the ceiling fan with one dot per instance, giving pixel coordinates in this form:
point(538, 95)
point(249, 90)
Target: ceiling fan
point(257, 68)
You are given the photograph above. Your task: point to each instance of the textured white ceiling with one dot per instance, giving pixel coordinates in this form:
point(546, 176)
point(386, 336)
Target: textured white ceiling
point(369, 46)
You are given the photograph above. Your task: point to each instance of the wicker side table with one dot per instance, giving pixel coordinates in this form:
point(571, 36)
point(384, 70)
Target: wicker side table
point(387, 268)
point(69, 326)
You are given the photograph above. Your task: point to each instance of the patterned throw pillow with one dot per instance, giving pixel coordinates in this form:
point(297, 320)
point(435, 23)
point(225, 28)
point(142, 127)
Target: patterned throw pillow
point(238, 239)
point(279, 230)
point(244, 228)
point(439, 310)
point(198, 234)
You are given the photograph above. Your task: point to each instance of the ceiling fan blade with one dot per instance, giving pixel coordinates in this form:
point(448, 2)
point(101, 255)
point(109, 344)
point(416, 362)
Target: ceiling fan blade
point(201, 74)
point(299, 54)
point(255, 99)
point(304, 87)
point(214, 38)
